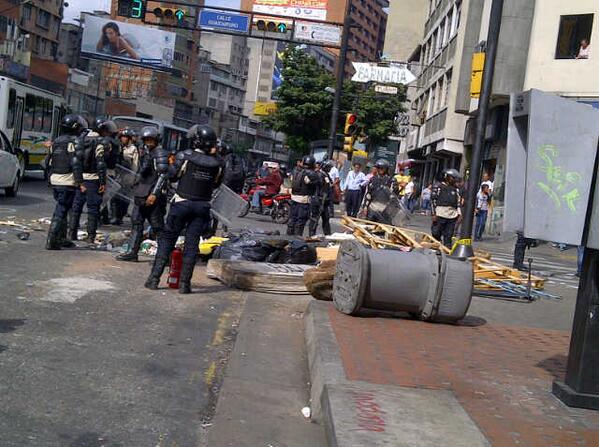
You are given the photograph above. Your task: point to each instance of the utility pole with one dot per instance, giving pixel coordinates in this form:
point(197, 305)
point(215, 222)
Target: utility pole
point(347, 21)
point(464, 248)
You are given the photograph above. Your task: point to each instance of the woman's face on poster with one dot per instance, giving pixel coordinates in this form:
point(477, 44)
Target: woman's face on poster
point(111, 35)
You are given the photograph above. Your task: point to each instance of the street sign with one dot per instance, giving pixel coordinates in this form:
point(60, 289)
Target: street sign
point(264, 108)
point(226, 21)
point(386, 89)
point(392, 74)
point(315, 32)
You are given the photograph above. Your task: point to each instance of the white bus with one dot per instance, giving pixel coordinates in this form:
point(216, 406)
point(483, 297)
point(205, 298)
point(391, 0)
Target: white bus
point(29, 116)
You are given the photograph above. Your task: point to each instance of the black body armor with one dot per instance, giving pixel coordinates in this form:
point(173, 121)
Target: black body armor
point(201, 176)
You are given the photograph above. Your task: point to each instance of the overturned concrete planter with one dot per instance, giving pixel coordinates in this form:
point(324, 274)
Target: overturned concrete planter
point(431, 285)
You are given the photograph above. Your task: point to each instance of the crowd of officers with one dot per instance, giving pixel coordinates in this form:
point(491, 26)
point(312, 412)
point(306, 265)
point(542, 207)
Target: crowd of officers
point(82, 159)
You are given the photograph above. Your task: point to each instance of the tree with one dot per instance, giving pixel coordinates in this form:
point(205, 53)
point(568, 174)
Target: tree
point(377, 112)
point(304, 106)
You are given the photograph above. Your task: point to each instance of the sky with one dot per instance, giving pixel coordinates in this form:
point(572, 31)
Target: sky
point(76, 6)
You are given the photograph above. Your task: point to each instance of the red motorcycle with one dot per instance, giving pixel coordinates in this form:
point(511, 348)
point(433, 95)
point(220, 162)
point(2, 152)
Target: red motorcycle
point(278, 207)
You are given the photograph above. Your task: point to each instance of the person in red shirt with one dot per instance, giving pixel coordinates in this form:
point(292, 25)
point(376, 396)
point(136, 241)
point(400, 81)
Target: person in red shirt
point(273, 182)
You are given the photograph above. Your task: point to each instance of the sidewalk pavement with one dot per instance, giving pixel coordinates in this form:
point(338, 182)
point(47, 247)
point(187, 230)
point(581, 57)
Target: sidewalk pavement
point(400, 382)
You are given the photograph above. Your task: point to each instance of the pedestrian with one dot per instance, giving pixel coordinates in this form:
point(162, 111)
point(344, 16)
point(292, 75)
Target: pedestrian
point(129, 149)
point(409, 196)
point(336, 179)
point(353, 190)
point(487, 181)
point(446, 208)
point(149, 196)
point(305, 185)
point(272, 183)
point(321, 207)
point(65, 175)
point(199, 171)
point(425, 199)
point(483, 198)
point(92, 151)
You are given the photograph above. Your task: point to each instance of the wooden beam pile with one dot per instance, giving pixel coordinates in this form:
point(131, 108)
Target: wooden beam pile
point(378, 236)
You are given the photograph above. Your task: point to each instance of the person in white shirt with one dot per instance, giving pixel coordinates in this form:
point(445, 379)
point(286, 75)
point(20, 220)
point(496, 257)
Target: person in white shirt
point(353, 190)
point(482, 210)
point(585, 50)
point(409, 196)
point(487, 181)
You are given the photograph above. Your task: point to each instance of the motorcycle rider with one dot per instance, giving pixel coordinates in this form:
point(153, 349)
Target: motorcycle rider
point(446, 207)
point(273, 182)
point(305, 184)
point(199, 172)
point(149, 195)
point(322, 207)
point(92, 150)
point(382, 179)
point(65, 175)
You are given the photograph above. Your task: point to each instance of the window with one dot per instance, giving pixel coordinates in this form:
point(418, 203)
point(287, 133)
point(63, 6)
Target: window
point(440, 95)
point(26, 16)
point(448, 77)
point(456, 18)
point(12, 105)
point(43, 19)
point(572, 31)
point(212, 102)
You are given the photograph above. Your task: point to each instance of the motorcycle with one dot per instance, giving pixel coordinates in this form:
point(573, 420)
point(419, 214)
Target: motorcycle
point(278, 207)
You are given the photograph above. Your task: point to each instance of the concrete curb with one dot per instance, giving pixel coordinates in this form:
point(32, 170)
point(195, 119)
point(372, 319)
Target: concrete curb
point(357, 414)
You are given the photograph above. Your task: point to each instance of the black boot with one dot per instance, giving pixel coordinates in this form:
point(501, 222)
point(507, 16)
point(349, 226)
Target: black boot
point(299, 230)
point(73, 224)
point(157, 270)
point(115, 213)
point(52, 243)
point(62, 236)
point(104, 217)
point(185, 278)
point(92, 228)
point(135, 243)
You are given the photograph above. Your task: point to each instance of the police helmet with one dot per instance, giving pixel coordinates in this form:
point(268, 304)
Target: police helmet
point(327, 166)
point(202, 137)
point(150, 132)
point(452, 173)
point(73, 124)
point(102, 125)
point(381, 163)
point(308, 162)
point(127, 132)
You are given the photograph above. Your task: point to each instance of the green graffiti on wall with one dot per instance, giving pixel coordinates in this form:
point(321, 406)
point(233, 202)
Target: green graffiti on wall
point(560, 186)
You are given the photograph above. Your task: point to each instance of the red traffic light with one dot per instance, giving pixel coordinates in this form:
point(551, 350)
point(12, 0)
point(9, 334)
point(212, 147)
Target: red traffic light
point(351, 119)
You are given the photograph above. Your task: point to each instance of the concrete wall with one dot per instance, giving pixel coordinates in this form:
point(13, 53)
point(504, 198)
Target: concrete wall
point(568, 77)
point(405, 26)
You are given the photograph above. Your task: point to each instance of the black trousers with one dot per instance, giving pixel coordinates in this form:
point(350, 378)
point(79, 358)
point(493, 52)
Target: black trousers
point(443, 230)
point(64, 197)
point(92, 197)
point(153, 214)
point(353, 200)
point(318, 211)
point(522, 243)
point(194, 217)
point(298, 217)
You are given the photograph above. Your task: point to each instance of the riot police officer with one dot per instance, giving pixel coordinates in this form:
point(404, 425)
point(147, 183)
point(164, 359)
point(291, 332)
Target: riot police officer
point(199, 172)
point(446, 211)
point(130, 152)
point(322, 204)
point(149, 196)
point(306, 183)
point(380, 185)
point(93, 150)
point(65, 175)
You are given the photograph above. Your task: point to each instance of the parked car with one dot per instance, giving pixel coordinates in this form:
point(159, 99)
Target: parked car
point(12, 167)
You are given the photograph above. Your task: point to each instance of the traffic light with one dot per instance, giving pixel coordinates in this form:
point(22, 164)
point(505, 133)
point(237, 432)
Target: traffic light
point(271, 26)
point(478, 67)
point(133, 9)
point(170, 13)
point(351, 124)
point(348, 144)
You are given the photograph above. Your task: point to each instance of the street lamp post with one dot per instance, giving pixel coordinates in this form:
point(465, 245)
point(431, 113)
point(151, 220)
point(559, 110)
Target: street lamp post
point(340, 77)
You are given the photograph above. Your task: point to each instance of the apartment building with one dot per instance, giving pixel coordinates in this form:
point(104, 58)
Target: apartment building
point(435, 141)
point(405, 27)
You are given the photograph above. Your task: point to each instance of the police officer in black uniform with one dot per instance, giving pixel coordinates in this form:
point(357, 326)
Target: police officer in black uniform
point(66, 175)
point(322, 204)
point(92, 150)
point(306, 183)
point(381, 181)
point(149, 194)
point(199, 171)
point(446, 207)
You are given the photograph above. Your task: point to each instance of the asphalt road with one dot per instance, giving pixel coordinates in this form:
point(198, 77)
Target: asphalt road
point(88, 357)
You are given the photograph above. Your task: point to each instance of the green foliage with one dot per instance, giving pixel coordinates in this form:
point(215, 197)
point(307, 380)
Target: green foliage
point(303, 107)
point(376, 112)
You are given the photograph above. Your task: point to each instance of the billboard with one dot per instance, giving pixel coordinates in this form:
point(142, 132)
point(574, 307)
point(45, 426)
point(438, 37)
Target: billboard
point(303, 9)
point(127, 43)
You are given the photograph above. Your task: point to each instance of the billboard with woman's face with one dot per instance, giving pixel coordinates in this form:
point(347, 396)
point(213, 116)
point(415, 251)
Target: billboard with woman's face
point(127, 43)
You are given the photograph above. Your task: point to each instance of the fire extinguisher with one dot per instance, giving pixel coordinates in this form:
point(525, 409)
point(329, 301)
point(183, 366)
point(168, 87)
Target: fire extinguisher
point(175, 268)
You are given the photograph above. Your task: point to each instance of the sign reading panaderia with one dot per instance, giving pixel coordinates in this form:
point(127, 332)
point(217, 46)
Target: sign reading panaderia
point(391, 74)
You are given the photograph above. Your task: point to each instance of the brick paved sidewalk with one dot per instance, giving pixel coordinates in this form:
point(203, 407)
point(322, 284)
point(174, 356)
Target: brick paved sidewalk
point(501, 375)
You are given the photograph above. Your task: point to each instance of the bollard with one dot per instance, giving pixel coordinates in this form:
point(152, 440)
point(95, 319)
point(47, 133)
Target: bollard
point(431, 285)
